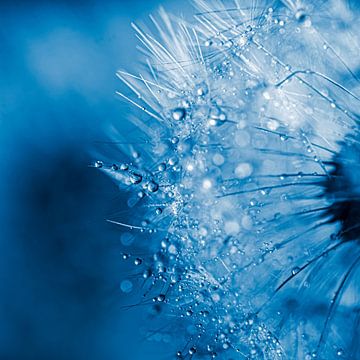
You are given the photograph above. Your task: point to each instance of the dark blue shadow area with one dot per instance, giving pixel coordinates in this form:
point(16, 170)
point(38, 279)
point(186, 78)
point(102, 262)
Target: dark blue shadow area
point(60, 262)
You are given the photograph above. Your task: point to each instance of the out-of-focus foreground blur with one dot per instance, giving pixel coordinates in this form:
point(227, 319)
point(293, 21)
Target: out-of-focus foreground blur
point(60, 262)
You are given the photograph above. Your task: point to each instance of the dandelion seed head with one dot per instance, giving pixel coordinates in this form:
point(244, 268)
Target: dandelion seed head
point(244, 171)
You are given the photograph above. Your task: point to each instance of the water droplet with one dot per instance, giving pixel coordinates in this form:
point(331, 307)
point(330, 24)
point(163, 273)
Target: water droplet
point(175, 140)
point(162, 167)
point(295, 270)
point(158, 211)
point(226, 345)
point(124, 167)
point(217, 117)
point(126, 286)
point(99, 164)
point(153, 186)
point(137, 261)
point(207, 184)
point(161, 298)
point(173, 161)
point(201, 90)
point(135, 178)
point(218, 159)
point(243, 170)
point(301, 16)
point(172, 249)
point(179, 114)
point(192, 350)
point(136, 155)
point(147, 274)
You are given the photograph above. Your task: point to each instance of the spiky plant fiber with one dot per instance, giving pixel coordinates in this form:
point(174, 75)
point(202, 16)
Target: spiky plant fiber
point(245, 178)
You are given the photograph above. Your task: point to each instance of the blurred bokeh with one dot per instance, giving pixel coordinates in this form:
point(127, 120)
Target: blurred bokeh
point(60, 261)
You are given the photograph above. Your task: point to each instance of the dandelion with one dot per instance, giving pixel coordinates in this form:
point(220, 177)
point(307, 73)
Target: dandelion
point(244, 171)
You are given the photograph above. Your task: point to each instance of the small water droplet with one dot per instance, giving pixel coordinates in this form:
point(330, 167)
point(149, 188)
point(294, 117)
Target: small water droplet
point(153, 186)
point(135, 178)
point(175, 140)
point(301, 16)
point(126, 286)
point(192, 350)
point(147, 274)
point(138, 261)
point(173, 161)
point(141, 194)
point(162, 167)
point(161, 298)
point(179, 114)
point(136, 155)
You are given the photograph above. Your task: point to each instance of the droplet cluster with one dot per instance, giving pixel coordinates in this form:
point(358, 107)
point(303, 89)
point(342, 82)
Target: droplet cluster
point(242, 119)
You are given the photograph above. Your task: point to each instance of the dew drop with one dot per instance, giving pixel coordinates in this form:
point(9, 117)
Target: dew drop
point(162, 167)
point(243, 170)
point(141, 194)
point(153, 186)
point(136, 155)
point(301, 16)
point(207, 184)
point(161, 298)
point(192, 350)
point(339, 352)
point(146, 274)
point(175, 140)
point(99, 164)
point(173, 161)
point(179, 114)
point(135, 178)
point(126, 286)
point(138, 261)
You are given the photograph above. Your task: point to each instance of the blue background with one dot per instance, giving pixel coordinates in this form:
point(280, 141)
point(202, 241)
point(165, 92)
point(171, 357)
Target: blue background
point(60, 262)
